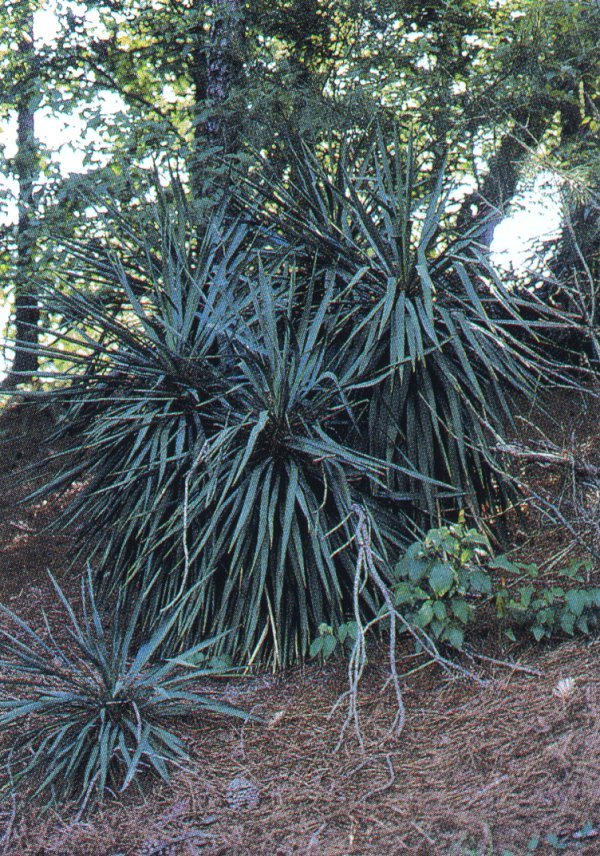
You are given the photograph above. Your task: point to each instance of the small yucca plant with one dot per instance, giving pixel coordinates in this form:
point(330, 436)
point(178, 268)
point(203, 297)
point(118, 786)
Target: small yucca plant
point(88, 712)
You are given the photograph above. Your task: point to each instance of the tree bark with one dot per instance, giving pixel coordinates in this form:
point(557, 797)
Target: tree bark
point(26, 312)
point(224, 69)
point(487, 206)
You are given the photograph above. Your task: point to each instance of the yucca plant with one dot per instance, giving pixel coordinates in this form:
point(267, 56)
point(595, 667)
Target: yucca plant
point(88, 708)
point(450, 341)
point(215, 424)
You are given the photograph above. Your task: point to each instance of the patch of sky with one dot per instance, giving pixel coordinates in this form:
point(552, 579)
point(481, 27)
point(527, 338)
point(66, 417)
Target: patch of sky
point(535, 216)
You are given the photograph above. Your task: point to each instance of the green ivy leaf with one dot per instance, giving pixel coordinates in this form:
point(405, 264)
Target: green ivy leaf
point(425, 613)
point(417, 568)
point(352, 630)
point(461, 610)
point(435, 537)
point(316, 646)
point(449, 543)
point(404, 593)
point(329, 644)
point(531, 569)
point(436, 628)
point(526, 593)
point(567, 622)
point(439, 610)
point(475, 537)
point(502, 563)
point(412, 566)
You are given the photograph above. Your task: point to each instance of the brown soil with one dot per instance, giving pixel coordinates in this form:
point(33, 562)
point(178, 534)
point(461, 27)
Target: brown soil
point(477, 769)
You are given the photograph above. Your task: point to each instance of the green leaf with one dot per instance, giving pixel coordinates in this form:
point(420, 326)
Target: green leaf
point(403, 593)
point(461, 609)
point(329, 646)
point(577, 600)
point(415, 568)
point(439, 610)
point(454, 636)
point(567, 622)
point(480, 581)
point(502, 563)
point(441, 578)
point(352, 628)
point(526, 593)
point(316, 646)
point(425, 613)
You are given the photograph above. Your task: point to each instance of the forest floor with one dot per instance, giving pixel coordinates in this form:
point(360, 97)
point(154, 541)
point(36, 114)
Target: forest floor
point(478, 770)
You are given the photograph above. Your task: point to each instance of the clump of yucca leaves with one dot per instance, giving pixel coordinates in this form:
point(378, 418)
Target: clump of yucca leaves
point(89, 712)
point(234, 388)
point(448, 341)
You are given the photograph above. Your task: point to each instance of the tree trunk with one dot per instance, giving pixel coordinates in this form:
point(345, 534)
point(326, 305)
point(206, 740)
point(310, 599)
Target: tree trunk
point(197, 71)
point(487, 206)
point(224, 69)
point(26, 312)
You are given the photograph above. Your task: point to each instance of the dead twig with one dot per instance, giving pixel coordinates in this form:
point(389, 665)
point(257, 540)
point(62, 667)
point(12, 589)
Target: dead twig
point(547, 457)
point(387, 785)
point(366, 571)
point(22, 527)
point(507, 664)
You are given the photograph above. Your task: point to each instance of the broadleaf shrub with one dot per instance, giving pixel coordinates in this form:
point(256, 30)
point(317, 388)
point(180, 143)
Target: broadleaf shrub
point(444, 579)
point(565, 608)
point(437, 583)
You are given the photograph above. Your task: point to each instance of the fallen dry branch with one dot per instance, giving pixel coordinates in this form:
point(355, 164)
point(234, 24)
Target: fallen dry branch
point(506, 664)
point(547, 457)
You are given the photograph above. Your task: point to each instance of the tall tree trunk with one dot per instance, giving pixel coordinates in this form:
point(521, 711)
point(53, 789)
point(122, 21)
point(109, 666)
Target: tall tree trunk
point(224, 69)
point(487, 206)
point(26, 313)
